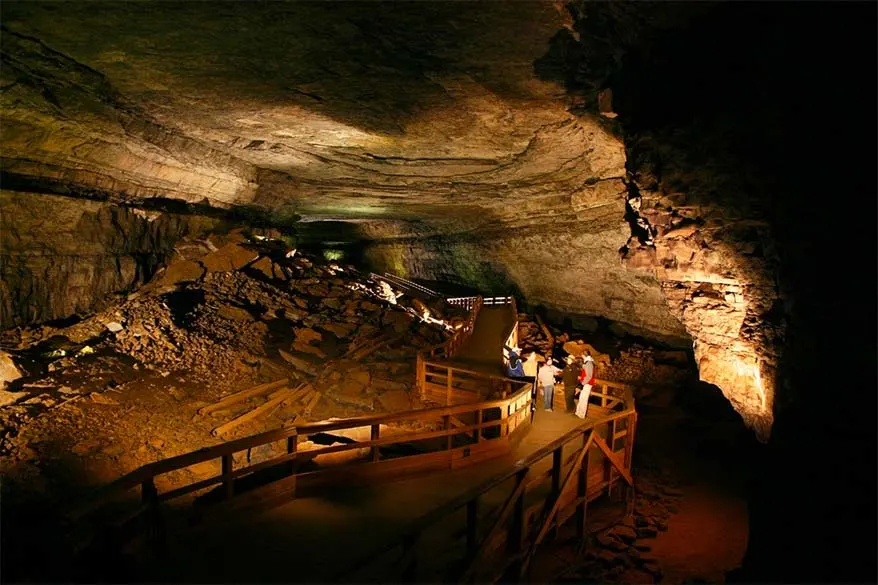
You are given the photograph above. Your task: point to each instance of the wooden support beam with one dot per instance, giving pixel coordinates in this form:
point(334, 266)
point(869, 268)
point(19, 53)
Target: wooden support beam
point(582, 491)
point(619, 465)
point(611, 443)
point(228, 480)
point(312, 403)
point(556, 477)
point(243, 395)
point(512, 503)
point(472, 526)
point(298, 393)
point(448, 386)
point(374, 436)
point(222, 429)
point(547, 520)
point(409, 561)
point(446, 424)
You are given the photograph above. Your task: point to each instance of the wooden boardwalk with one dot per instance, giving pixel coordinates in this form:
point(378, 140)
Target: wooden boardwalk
point(313, 539)
point(480, 460)
point(483, 351)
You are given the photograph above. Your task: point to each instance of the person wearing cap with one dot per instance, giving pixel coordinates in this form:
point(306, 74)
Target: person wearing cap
point(514, 366)
point(570, 377)
point(546, 377)
point(587, 379)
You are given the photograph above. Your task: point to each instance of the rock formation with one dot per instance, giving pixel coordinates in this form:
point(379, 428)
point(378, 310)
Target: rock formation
point(609, 160)
point(485, 176)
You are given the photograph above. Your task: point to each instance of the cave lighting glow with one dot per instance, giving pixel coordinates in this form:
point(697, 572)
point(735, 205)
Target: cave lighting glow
point(333, 255)
point(745, 369)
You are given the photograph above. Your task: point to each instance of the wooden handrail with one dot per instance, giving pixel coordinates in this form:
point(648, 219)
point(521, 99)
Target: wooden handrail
point(403, 282)
point(151, 470)
point(520, 468)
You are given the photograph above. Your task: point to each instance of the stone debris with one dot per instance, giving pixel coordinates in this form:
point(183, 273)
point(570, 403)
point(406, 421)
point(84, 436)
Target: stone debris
point(621, 553)
point(7, 398)
point(225, 314)
point(9, 372)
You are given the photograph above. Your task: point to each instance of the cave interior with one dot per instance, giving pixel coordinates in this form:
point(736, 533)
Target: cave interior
point(687, 188)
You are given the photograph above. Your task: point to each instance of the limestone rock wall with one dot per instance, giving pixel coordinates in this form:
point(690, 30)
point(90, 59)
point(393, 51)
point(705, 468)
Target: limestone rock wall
point(489, 173)
point(717, 267)
point(67, 130)
point(555, 262)
point(60, 256)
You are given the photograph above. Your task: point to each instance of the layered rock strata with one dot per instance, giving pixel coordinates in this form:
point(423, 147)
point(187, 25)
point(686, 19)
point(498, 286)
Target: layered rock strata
point(456, 152)
point(60, 256)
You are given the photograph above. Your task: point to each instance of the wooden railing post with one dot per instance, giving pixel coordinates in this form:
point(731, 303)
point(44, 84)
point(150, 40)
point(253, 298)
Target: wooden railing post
point(149, 495)
point(556, 482)
point(629, 438)
point(556, 471)
point(515, 538)
point(472, 519)
point(376, 451)
point(611, 442)
point(420, 376)
point(450, 371)
point(228, 481)
point(582, 491)
point(447, 420)
point(629, 456)
point(477, 434)
point(293, 447)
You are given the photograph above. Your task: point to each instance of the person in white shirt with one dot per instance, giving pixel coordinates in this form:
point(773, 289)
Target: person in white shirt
point(586, 378)
point(546, 378)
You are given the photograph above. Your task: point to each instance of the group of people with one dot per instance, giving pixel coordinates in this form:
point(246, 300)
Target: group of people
point(578, 375)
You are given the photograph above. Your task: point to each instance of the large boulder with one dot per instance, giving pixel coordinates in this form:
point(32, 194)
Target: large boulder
point(578, 348)
point(9, 372)
point(229, 257)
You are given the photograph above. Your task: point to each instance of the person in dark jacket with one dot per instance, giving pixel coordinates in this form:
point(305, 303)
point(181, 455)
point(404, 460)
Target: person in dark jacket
point(514, 365)
point(570, 377)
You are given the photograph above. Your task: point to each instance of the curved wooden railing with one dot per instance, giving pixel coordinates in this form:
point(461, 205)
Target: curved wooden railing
point(531, 500)
point(405, 283)
point(463, 435)
point(448, 348)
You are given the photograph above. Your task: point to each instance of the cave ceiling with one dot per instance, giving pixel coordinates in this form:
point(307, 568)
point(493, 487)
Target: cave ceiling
point(344, 110)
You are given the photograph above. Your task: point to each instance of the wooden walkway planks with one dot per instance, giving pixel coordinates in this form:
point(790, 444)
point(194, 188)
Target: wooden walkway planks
point(316, 528)
point(483, 351)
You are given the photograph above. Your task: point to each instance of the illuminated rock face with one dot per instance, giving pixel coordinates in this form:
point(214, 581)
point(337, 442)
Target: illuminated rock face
point(717, 271)
point(437, 130)
point(66, 129)
point(62, 256)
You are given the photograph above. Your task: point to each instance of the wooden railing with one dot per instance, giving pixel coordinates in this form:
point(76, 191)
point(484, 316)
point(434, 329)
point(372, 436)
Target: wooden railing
point(447, 349)
point(404, 283)
point(456, 382)
point(463, 302)
point(496, 528)
point(464, 434)
point(446, 384)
